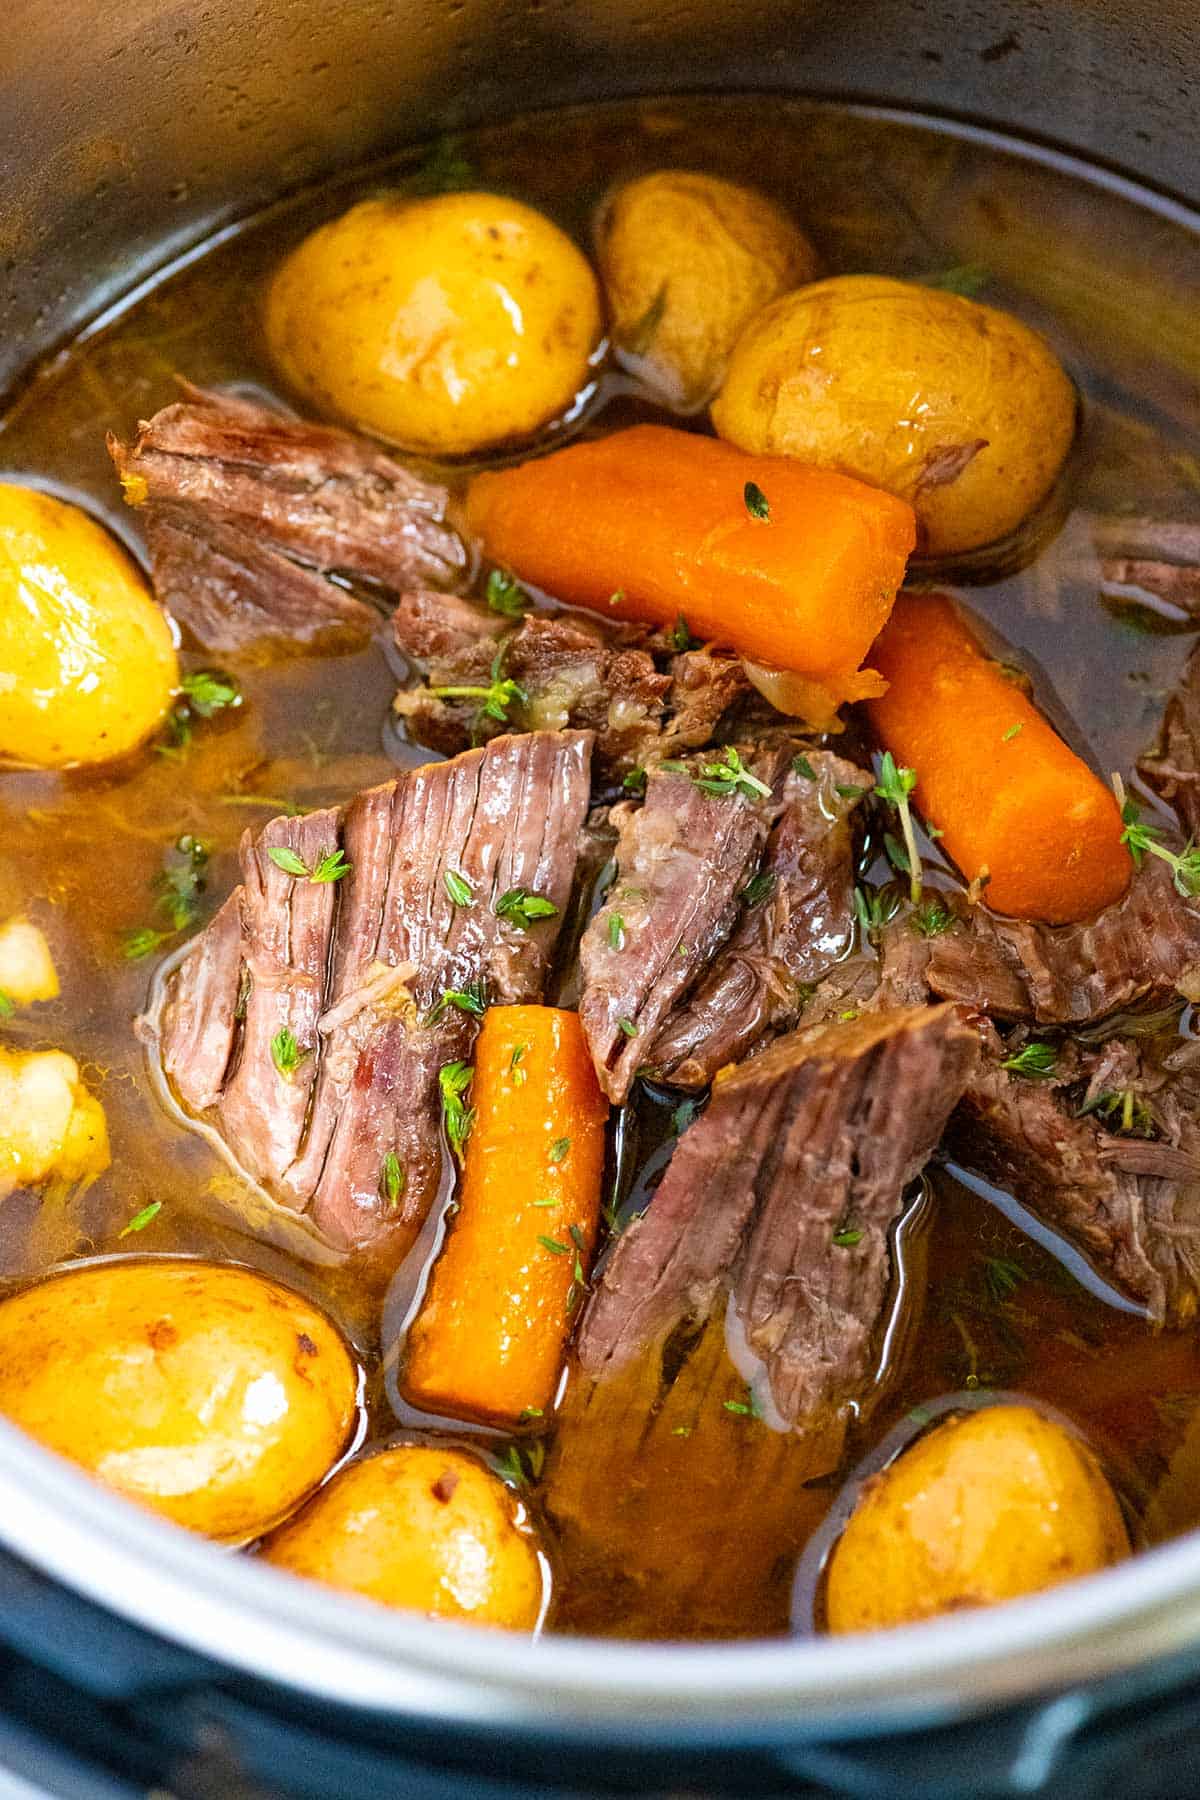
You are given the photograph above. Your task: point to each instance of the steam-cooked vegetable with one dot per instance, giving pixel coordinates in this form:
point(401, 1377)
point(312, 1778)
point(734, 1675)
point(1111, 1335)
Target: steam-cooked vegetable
point(986, 1507)
point(87, 664)
point(27, 971)
point(50, 1126)
point(687, 259)
point(488, 1343)
point(444, 324)
point(958, 408)
point(422, 1527)
point(209, 1394)
point(1015, 806)
point(652, 523)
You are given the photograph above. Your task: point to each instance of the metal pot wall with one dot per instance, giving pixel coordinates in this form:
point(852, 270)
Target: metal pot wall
point(127, 134)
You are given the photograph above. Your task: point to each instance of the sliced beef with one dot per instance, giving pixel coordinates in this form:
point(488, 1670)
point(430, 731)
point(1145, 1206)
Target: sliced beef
point(1158, 556)
point(782, 1195)
point(1172, 768)
point(1132, 1205)
point(354, 972)
point(1145, 946)
point(683, 858)
point(248, 513)
point(571, 670)
point(797, 923)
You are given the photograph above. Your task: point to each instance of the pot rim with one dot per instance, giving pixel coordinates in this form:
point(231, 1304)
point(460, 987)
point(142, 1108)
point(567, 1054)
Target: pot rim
point(299, 1636)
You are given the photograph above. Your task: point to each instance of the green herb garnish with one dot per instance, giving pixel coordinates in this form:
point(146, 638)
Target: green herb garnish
point(7, 1005)
point(680, 638)
point(748, 1408)
point(392, 1180)
point(140, 1220)
point(1142, 839)
point(286, 1053)
point(683, 1115)
point(519, 1075)
point(505, 596)
point(522, 908)
point(635, 781)
point(1036, 1061)
point(454, 1079)
point(931, 917)
point(289, 860)
point(331, 865)
point(875, 908)
point(757, 504)
point(458, 887)
point(802, 766)
point(208, 692)
point(616, 931)
point(1123, 1113)
point(627, 1027)
point(760, 887)
point(470, 999)
point(553, 1245)
point(894, 785)
point(730, 776)
point(495, 699)
point(846, 1240)
point(1012, 732)
point(558, 1149)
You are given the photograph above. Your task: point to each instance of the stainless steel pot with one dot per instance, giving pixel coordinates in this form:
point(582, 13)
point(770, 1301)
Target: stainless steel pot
point(128, 133)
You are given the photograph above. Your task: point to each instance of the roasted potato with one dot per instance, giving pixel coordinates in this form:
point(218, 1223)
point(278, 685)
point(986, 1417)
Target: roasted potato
point(50, 1126)
point(987, 1506)
point(27, 971)
point(424, 1528)
point(444, 324)
point(958, 408)
point(87, 662)
point(207, 1393)
point(687, 260)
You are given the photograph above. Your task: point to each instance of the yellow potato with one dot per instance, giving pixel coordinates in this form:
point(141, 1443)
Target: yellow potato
point(958, 408)
point(27, 971)
point(687, 260)
point(988, 1506)
point(207, 1393)
point(420, 1527)
point(87, 663)
point(50, 1126)
point(444, 325)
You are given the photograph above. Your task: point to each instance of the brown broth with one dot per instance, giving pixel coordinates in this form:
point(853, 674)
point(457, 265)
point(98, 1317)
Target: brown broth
point(1115, 285)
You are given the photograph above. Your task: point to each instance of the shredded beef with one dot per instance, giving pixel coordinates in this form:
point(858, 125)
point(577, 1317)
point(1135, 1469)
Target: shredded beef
point(356, 971)
point(797, 922)
point(810, 1143)
point(1145, 946)
point(683, 858)
point(1172, 768)
point(248, 513)
point(1131, 1204)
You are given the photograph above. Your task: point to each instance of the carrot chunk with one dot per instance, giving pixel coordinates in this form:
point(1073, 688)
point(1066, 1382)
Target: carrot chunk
point(792, 567)
point(489, 1340)
point(1012, 800)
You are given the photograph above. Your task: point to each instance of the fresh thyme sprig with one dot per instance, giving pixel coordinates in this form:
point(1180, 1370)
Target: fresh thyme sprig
point(894, 785)
point(730, 776)
point(1142, 839)
point(454, 1079)
point(495, 699)
point(1037, 1062)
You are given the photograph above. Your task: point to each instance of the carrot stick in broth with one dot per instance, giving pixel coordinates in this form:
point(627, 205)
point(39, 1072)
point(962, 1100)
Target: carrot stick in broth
point(1012, 800)
point(489, 1340)
point(790, 566)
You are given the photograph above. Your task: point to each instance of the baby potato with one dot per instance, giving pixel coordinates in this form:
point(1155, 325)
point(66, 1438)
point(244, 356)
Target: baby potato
point(687, 260)
point(420, 1527)
point(207, 1393)
point(27, 971)
point(50, 1126)
point(957, 408)
point(988, 1506)
point(87, 663)
point(444, 324)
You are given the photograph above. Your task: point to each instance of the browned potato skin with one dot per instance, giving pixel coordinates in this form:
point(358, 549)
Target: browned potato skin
point(420, 1527)
point(986, 1507)
point(958, 408)
point(209, 1394)
point(687, 260)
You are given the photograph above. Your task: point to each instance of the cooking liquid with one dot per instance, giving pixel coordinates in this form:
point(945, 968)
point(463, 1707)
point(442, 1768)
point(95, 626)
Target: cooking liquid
point(688, 1529)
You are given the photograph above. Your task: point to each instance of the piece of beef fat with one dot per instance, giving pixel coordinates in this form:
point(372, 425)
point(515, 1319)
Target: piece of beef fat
point(309, 1022)
point(247, 513)
point(567, 670)
point(683, 858)
point(1172, 767)
point(782, 1196)
point(1144, 947)
point(797, 922)
point(1130, 1203)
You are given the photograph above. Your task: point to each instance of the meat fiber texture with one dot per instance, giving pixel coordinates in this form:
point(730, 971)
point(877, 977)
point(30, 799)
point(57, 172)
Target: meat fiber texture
point(355, 970)
point(247, 513)
point(782, 1196)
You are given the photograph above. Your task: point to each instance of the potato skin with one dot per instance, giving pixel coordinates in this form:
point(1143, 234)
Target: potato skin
point(207, 1393)
point(958, 408)
point(687, 260)
point(444, 324)
point(986, 1507)
point(90, 655)
point(420, 1527)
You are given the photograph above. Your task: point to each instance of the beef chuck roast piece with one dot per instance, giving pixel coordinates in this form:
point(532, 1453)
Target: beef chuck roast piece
point(1131, 1204)
point(1147, 945)
point(355, 971)
point(1159, 556)
point(683, 859)
point(797, 922)
point(782, 1195)
point(571, 670)
point(1172, 768)
point(247, 513)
